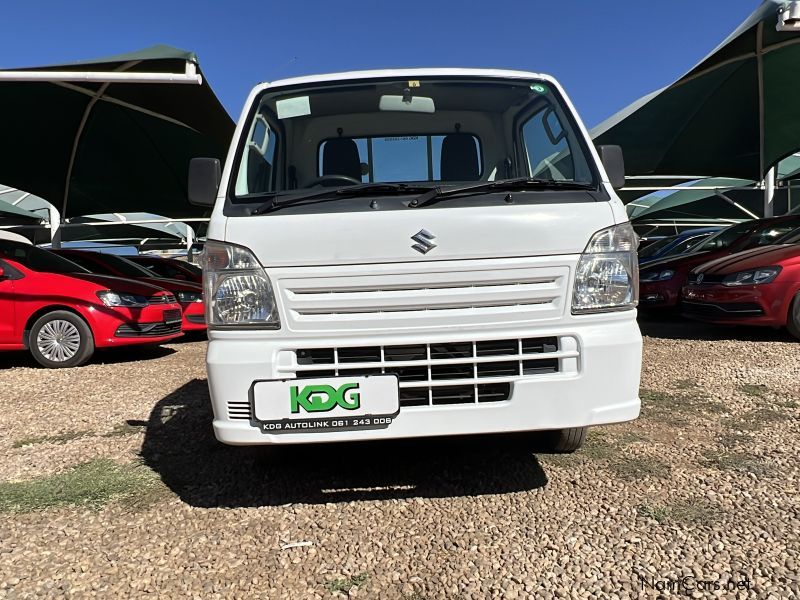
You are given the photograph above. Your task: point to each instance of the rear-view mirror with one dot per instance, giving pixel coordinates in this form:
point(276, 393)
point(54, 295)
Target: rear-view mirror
point(204, 177)
point(614, 164)
point(419, 104)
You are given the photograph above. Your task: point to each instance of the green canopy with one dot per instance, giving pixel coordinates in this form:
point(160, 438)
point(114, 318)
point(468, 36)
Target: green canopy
point(102, 147)
point(735, 114)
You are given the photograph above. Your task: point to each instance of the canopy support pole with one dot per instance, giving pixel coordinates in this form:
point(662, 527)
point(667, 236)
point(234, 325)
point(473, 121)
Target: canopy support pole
point(735, 204)
point(769, 193)
point(55, 227)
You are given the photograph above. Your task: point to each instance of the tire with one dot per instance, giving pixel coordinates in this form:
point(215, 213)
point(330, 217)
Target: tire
point(793, 320)
point(60, 339)
point(564, 441)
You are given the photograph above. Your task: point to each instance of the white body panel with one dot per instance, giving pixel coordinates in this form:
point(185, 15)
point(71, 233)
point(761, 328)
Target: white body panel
point(482, 321)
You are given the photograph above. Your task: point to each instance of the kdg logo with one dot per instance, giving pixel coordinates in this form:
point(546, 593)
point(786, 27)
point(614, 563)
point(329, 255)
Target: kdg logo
point(321, 398)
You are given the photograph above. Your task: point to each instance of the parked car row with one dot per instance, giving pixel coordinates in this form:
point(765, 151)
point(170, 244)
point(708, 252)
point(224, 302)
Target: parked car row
point(748, 273)
point(60, 305)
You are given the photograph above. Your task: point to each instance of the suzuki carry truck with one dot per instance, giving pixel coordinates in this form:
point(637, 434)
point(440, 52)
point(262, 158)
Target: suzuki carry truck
point(409, 253)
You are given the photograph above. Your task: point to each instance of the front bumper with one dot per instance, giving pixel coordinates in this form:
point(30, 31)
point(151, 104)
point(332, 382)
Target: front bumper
point(194, 316)
point(122, 326)
point(598, 386)
point(750, 305)
point(658, 294)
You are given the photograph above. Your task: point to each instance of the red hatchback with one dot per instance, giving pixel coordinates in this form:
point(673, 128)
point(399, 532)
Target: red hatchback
point(189, 294)
point(756, 287)
point(660, 282)
point(60, 312)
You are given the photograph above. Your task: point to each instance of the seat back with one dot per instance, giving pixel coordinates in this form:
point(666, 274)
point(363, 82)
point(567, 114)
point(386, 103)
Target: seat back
point(459, 158)
point(340, 157)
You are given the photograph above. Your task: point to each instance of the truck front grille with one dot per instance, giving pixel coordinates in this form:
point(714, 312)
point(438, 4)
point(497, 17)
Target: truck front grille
point(434, 374)
point(443, 294)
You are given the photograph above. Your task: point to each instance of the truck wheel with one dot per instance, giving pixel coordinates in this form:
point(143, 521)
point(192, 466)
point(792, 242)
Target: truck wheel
point(564, 441)
point(60, 339)
point(793, 322)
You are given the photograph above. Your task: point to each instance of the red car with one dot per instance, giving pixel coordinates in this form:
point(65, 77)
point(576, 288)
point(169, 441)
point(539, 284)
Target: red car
point(170, 268)
point(756, 287)
point(660, 282)
point(60, 312)
point(189, 295)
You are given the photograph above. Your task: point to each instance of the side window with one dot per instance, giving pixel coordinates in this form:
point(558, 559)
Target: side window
point(547, 148)
point(11, 274)
point(256, 171)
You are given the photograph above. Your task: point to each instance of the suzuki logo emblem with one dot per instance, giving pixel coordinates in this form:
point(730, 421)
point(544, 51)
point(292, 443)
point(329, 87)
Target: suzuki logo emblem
point(424, 241)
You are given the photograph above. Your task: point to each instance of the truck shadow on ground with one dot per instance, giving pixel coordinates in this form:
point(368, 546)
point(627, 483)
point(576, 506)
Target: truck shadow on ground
point(180, 446)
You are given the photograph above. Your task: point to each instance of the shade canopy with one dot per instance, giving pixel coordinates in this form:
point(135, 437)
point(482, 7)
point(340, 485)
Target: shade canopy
point(13, 215)
point(735, 114)
point(127, 227)
point(100, 147)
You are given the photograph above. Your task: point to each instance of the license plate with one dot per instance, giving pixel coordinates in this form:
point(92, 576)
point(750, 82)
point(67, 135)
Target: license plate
point(172, 316)
point(325, 404)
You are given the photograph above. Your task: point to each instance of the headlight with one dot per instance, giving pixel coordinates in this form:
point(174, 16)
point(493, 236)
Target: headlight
point(607, 275)
point(115, 299)
point(754, 277)
point(237, 290)
point(650, 276)
point(187, 297)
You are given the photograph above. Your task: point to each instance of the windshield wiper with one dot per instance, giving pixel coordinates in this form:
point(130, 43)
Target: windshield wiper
point(520, 183)
point(337, 193)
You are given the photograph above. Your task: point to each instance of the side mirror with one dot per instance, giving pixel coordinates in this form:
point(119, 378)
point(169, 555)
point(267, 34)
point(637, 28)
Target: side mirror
point(2, 273)
point(204, 177)
point(614, 164)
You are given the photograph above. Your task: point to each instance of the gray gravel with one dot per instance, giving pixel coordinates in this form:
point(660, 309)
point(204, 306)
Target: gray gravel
point(703, 488)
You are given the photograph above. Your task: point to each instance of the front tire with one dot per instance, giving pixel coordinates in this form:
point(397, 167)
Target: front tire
point(793, 319)
point(564, 441)
point(60, 339)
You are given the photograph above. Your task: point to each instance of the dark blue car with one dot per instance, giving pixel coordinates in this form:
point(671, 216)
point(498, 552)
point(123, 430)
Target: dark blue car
point(674, 244)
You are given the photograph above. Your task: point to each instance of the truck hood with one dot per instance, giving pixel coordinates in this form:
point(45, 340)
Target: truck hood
point(766, 256)
point(442, 233)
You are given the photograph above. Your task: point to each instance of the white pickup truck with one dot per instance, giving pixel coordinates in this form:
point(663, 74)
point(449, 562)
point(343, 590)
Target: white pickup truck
point(409, 253)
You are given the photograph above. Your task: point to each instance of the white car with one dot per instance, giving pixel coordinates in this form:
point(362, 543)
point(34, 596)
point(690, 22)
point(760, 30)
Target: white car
point(410, 253)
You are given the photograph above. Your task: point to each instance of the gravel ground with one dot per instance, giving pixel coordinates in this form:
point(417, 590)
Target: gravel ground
point(702, 489)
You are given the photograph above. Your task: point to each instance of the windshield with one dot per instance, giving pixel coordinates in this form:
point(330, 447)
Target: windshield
point(793, 237)
point(724, 238)
point(686, 245)
point(398, 131)
point(37, 259)
point(655, 247)
point(109, 264)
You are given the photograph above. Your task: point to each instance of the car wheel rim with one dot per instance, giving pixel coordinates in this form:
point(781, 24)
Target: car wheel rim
point(58, 340)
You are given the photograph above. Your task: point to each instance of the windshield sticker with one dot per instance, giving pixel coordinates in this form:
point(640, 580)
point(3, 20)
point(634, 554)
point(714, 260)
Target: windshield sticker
point(293, 107)
point(539, 88)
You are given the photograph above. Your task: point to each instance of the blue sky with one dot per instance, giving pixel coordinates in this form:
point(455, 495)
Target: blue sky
point(606, 53)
